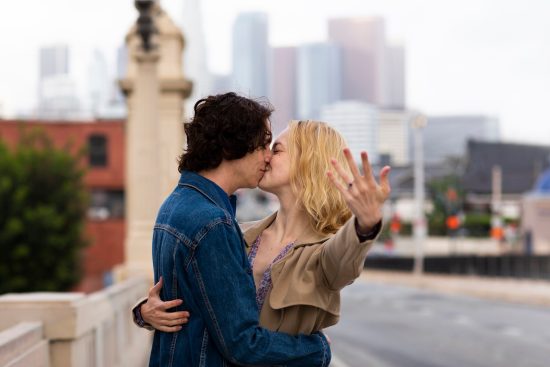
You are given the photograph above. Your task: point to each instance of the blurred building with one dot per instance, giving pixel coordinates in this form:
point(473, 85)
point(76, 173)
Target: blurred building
point(195, 55)
point(57, 92)
point(394, 137)
point(99, 84)
point(104, 179)
point(520, 164)
point(58, 98)
point(318, 78)
point(447, 136)
point(358, 123)
point(372, 70)
point(121, 62)
point(283, 87)
point(395, 77)
point(54, 61)
point(220, 84)
point(250, 54)
point(116, 103)
point(363, 46)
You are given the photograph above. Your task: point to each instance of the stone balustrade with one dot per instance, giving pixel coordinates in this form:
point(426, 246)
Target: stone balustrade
point(74, 329)
point(24, 345)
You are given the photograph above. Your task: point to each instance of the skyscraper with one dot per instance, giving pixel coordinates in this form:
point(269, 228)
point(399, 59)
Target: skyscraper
point(318, 76)
point(99, 85)
point(363, 45)
point(54, 60)
point(395, 77)
point(121, 61)
point(283, 87)
point(116, 103)
point(220, 83)
point(250, 54)
point(57, 93)
point(372, 70)
point(194, 55)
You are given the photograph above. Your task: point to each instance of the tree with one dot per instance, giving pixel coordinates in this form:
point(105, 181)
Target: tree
point(42, 211)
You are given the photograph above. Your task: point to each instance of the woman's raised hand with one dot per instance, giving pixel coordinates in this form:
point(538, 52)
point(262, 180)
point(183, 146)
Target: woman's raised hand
point(365, 197)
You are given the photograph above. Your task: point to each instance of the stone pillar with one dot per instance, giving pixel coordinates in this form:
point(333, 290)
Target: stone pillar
point(155, 88)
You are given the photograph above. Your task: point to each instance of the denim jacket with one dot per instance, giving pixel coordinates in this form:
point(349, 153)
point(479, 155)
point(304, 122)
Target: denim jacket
point(199, 250)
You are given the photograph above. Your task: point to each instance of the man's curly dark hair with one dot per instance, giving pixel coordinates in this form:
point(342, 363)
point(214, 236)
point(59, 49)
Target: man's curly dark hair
point(225, 126)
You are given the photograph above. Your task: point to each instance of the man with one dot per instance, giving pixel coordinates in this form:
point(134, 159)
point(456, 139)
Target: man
point(198, 248)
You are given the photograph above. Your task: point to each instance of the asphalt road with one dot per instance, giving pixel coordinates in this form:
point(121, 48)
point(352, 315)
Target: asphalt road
point(390, 326)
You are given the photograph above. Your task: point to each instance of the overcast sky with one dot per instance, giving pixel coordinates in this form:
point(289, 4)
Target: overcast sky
point(469, 56)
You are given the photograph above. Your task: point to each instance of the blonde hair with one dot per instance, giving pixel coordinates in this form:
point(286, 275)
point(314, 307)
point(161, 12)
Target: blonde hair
point(311, 145)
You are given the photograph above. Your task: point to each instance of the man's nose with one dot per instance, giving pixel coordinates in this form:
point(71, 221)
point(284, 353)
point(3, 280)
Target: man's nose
point(267, 155)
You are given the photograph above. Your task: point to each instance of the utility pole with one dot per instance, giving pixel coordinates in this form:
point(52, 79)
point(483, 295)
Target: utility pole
point(497, 226)
point(419, 228)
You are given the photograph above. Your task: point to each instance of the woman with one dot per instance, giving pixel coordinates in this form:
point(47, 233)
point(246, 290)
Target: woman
point(314, 245)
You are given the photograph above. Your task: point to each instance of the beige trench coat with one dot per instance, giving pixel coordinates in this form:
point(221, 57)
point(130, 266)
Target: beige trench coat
point(305, 296)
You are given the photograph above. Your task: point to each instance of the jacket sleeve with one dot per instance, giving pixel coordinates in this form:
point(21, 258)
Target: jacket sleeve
point(221, 277)
point(134, 311)
point(343, 256)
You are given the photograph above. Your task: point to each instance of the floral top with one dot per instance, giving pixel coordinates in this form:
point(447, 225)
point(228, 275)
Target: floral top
point(265, 283)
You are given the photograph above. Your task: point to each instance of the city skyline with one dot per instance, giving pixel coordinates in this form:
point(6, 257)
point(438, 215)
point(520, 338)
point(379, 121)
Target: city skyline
point(467, 58)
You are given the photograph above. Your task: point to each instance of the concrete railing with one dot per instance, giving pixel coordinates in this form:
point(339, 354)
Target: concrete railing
point(74, 329)
point(24, 345)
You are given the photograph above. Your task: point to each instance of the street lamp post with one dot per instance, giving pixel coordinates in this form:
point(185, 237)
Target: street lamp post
point(419, 229)
point(145, 25)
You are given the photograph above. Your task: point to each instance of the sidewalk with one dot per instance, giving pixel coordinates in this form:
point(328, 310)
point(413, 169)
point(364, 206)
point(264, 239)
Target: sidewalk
point(530, 292)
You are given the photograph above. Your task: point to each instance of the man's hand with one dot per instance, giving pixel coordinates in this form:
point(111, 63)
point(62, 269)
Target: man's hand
point(154, 311)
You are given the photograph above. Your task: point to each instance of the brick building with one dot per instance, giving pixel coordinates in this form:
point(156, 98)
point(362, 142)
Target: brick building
point(104, 178)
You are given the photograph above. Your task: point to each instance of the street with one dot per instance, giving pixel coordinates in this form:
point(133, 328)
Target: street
point(386, 325)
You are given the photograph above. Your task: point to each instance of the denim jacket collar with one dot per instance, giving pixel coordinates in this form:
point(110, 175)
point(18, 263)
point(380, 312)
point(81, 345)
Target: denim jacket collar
point(209, 189)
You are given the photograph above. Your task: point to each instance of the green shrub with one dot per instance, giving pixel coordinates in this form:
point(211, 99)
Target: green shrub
point(477, 224)
point(42, 211)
